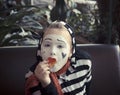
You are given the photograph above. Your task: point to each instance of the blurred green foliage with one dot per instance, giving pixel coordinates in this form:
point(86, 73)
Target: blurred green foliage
point(22, 25)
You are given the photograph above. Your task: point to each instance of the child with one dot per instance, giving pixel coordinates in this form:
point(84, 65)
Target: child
point(71, 73)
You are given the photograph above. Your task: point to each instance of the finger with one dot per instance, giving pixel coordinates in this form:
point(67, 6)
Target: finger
point(43, 64)
point(42, 72)
point(42, 68)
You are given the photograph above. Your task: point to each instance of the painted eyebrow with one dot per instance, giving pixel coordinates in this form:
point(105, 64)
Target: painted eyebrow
point(61, 41)
point(48, 39)
point(57, 40)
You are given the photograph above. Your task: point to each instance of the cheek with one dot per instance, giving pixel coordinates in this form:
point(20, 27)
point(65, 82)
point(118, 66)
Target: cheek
point(44, 53)
point(63, 55)
point(42, 50)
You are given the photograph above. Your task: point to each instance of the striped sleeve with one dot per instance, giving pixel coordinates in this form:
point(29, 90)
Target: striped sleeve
point(87, 64)
point(84, 59)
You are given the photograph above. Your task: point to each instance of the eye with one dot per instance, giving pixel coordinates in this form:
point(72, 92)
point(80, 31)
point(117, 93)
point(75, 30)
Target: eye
point(46, 45)
point(60, 46)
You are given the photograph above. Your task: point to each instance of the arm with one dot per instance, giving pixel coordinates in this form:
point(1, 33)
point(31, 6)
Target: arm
point(85, 56)
point(89, 78)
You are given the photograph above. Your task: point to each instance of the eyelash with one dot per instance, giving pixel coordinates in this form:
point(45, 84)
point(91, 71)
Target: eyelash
point(47, 45)
point(60, 46)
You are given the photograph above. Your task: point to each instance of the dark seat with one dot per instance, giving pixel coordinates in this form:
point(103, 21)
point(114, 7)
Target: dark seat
point(105, 69)
point(15, 62)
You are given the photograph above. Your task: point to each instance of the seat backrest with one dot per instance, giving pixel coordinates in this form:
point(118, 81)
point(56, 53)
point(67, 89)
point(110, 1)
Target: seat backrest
point(15, 62)
point(105, 68)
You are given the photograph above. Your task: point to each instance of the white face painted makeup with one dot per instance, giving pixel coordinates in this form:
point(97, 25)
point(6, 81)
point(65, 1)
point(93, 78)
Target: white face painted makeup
point(57, 47)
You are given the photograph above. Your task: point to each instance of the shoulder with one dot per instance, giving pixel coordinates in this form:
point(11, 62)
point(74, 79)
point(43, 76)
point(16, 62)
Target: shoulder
point(83, 59)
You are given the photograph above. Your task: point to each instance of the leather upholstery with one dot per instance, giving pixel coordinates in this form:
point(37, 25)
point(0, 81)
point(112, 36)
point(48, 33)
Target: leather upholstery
point(105, 69)
point(15, 62)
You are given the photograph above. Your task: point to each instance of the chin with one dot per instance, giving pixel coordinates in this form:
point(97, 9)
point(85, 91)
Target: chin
point(54, 69)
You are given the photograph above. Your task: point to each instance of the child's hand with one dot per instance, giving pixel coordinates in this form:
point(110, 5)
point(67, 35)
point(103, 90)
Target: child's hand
point(42, 72)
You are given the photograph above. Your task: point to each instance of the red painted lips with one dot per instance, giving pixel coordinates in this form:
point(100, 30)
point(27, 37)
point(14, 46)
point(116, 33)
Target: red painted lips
point(51, 61)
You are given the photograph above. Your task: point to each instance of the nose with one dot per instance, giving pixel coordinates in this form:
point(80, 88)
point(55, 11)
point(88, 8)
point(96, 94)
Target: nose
point(53, 51)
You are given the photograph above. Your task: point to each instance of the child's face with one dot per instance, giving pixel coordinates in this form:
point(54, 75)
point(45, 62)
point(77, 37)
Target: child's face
point(56, 44)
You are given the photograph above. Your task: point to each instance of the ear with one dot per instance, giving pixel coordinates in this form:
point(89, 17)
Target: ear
point(38, 53)
point(39, 58)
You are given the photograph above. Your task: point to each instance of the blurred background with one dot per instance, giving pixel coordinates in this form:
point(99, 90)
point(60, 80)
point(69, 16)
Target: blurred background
point(93, 21)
